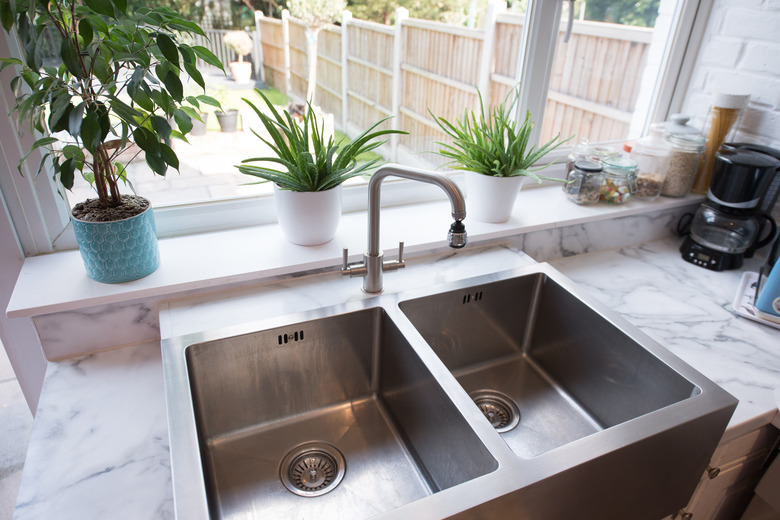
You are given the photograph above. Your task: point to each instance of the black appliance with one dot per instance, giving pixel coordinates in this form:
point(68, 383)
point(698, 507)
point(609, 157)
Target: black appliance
point(731, 224)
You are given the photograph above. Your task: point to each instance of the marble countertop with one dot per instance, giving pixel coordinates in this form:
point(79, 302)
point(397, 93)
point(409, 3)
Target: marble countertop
point(99, 446)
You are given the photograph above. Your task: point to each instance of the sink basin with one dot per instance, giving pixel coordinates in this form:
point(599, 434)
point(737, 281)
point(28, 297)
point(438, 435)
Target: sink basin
point(333, 417)
point(510, 395)
point(544, 367)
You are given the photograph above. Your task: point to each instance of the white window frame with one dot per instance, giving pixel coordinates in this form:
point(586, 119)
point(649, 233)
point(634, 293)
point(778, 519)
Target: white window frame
point(40, 214)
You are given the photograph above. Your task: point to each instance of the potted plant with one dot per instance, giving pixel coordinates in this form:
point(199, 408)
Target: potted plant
point(240, 43)
point(493, 150)
point(226, 117)
point(116, 84)
point(307, 189)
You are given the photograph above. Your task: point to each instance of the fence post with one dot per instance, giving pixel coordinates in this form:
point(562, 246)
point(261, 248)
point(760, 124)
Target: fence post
point(488, 49)
point(401, 14)
point(286, 50)
point(258, 49)
point(346, 17)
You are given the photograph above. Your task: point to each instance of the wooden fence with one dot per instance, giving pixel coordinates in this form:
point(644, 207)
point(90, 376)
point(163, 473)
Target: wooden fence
point(367, 71)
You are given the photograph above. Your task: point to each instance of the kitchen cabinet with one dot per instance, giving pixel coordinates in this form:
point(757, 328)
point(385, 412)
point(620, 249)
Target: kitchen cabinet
point(726, 487)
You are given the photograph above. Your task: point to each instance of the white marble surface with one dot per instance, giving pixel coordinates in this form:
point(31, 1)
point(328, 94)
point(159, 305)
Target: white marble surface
point(213, 260)
point(688, 310)
point(82, 330)
point(99, 444)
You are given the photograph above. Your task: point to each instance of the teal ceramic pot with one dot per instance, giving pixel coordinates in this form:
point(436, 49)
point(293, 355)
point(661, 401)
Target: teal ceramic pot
point(120, 251)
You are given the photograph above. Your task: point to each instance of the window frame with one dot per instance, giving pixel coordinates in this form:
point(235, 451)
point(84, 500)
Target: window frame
point(40, 213)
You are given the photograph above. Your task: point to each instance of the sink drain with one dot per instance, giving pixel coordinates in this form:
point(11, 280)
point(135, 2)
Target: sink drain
point(312, 469)
point(498, 408)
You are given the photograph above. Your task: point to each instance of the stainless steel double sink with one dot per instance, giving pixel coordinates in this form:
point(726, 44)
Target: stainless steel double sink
point(513, 395)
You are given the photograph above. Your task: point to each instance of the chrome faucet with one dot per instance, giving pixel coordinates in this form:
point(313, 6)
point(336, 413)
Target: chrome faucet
point(372, 266)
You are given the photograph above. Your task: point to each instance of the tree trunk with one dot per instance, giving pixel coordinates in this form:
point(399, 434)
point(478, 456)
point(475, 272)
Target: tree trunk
point(311, 51)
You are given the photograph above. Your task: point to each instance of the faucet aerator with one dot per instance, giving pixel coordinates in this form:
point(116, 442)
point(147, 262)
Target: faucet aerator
point(457, 236)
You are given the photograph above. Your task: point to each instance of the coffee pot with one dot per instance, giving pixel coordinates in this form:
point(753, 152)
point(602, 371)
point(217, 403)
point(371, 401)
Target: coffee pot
point(729, 226)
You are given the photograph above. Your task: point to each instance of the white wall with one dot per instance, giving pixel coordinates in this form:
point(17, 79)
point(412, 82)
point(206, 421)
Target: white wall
point(740, 54)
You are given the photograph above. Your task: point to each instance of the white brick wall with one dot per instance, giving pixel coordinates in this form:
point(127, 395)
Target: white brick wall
point(740, 54)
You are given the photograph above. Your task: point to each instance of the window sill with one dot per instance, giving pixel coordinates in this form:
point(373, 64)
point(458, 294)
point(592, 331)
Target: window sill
point(58, 282)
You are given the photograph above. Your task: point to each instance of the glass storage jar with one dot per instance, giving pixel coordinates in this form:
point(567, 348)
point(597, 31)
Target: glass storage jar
point(619, 180)
point(687, 152)
point(581, 152)
point(583, 182)
point(651, 154)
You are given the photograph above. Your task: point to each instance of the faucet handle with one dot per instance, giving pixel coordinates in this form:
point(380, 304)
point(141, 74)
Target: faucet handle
point(400, 252)
point(345, 260)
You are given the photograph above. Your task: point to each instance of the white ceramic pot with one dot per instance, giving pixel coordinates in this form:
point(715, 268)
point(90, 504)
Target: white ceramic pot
point(491, 199)
point(308, 218)
point(241, 71)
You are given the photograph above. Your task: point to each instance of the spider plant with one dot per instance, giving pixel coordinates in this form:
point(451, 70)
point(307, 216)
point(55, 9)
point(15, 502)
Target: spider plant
point(309, 162)
point(493, 143)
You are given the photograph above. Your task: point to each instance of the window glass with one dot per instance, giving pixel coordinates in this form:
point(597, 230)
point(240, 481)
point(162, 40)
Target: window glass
point(602, 84)
point(602, 79)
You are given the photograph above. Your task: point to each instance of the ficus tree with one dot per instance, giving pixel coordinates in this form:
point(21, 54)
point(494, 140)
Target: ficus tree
point(97, 77)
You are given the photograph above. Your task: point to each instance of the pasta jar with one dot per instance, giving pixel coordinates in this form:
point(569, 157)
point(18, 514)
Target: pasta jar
point(619, 180)
point(583, 183)
point(651, 154)
point(687, 153)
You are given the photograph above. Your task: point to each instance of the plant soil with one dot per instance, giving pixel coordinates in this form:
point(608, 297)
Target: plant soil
point(90, 210)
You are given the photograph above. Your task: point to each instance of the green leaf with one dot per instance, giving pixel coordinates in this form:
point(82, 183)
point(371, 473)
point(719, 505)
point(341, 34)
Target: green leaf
point(67, 168)
point(168, 48)
point(147, 141)
point(75, 119)
point(195, 74)
point(209, 101)
point(85, 31)
point(121, 5)
point(90, 131)
point(6, 16)
point(174, 86)
point(142, 99)
point(186, 26)
point(70, 58)
point(183, 121)
point(157, 164)
point(169, 156)
point(104, 7)
point(161, 126)
point(207, 56)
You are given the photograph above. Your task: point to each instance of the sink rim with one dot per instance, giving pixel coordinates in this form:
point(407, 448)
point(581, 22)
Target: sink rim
point(512, 474)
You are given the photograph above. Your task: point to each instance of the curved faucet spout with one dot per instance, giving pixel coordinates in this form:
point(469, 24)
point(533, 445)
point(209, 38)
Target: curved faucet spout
point(416, 174)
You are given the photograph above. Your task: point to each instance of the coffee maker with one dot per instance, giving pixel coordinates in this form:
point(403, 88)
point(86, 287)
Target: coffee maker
point(730, 225)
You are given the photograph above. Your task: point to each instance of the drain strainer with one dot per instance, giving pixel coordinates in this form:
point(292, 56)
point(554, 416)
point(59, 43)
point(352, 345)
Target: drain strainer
point(312, 469)
point(498, 408)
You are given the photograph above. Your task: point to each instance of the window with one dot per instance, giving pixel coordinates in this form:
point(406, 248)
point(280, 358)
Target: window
point(608, 82)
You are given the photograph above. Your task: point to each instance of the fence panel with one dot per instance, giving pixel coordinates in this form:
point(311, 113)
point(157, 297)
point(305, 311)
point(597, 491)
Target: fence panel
point(299, 61)
point(271, 39)
point(442, 61)
point(593, 86)
point(370, 74)
point(328, 93)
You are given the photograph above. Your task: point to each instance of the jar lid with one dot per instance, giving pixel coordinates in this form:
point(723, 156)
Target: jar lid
point(588, 166)
point(652, 144)
point(583, 147)
point(678, 125)
point(689, 142)
point(619, 165)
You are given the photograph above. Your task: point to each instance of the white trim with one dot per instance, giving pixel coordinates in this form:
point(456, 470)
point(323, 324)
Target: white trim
point(535, 64)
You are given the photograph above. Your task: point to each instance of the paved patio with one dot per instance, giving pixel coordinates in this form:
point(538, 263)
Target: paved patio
point(207, 163)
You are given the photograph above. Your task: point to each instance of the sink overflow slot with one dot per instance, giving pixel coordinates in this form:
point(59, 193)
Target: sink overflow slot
point(286, 338)
point(467, 298)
